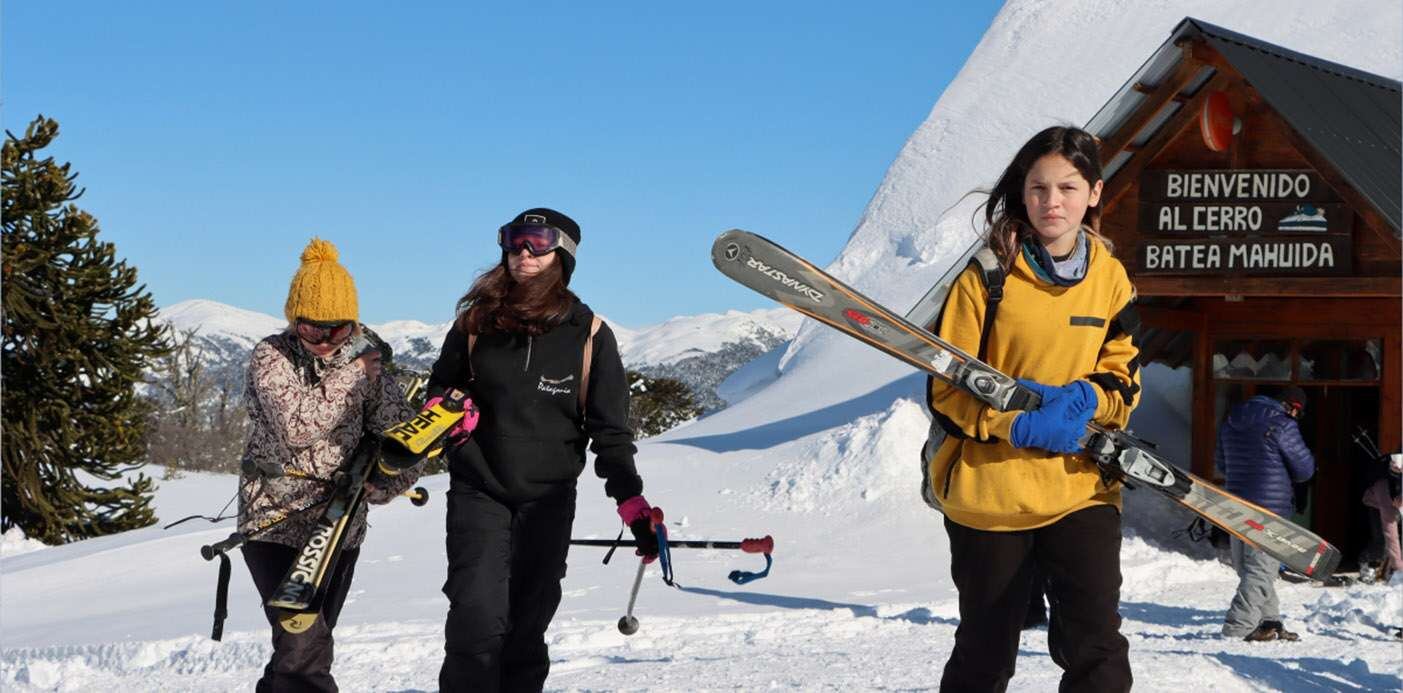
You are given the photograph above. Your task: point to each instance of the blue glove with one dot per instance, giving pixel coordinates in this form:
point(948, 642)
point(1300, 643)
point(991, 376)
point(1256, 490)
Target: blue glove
point(1060, 421)
point(1082, 395)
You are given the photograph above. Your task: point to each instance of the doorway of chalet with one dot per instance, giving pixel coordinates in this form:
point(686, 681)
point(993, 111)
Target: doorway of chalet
point(1341, 377)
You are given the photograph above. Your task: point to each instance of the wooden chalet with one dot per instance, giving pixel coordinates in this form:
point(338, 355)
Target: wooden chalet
point(1253, 193)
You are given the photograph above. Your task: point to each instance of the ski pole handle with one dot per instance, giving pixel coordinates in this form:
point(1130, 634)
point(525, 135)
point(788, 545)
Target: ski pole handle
point(765, 544)
point(235, 540)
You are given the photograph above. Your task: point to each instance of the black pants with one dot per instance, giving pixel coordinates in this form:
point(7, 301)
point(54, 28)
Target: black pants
point(505, 563)
point(1080, 557)
point(300, 661)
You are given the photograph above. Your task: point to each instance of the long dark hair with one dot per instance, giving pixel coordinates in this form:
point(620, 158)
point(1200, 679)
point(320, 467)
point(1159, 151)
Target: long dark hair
point(1006, 217)
point(498, 303)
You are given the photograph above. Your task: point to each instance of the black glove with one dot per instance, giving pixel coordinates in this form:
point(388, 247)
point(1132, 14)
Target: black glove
point(647, 541)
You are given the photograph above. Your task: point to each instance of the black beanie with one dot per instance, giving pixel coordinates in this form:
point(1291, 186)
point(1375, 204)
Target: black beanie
point(1294, 394)
point(559, 221)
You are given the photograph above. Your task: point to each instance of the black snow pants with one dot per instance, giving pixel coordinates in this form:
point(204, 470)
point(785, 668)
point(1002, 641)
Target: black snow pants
point(505, 564)
point(300, 661)
point(1080, 557)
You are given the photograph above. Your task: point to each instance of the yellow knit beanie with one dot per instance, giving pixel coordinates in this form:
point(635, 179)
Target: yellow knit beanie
point(322, 289)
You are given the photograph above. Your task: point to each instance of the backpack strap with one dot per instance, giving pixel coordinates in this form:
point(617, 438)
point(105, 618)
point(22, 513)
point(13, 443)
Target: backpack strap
point(1126, 321)
point(588, 359)
point(472, 339)
point(993, 275)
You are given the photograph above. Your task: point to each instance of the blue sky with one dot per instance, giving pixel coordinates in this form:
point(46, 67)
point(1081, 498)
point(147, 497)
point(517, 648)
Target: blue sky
point(215, 138)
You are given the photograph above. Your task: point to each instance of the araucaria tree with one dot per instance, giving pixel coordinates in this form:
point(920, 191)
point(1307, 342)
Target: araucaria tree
point(658, 404)
point(78, 335)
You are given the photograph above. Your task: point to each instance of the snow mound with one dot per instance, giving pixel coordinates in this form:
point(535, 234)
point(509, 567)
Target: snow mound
point(852, 465)
point(1374, 606)
point(13, 543)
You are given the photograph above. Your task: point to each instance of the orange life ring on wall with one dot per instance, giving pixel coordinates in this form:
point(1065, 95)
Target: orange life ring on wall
point(1217, 122)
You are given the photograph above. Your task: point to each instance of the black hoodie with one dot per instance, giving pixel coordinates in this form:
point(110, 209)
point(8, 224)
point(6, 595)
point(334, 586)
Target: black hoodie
point(531, 437)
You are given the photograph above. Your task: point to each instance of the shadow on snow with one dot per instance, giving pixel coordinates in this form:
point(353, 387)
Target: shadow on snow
point(1309, 674)
point(795, 427)
point(919, 616)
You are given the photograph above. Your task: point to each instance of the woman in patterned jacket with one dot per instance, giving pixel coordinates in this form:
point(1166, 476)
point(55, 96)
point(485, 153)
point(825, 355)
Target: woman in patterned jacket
point(313, 391)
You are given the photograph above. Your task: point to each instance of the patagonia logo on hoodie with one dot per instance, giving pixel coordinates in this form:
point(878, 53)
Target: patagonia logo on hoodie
point(556, 386)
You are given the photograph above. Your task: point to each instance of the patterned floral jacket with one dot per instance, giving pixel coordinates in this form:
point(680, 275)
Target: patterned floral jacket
point(308, 414)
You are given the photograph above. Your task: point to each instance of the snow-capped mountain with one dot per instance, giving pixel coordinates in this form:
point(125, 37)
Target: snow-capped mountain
point(703, 350)
point(699, 350)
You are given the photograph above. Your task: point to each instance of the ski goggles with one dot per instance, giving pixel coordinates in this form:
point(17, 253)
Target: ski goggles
point(314, 332)
point(537, 239)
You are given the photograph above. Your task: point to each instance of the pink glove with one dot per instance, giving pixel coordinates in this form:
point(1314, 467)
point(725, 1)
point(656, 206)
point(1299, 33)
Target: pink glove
point(635, 508)
point(638, 515)
point(460, 431)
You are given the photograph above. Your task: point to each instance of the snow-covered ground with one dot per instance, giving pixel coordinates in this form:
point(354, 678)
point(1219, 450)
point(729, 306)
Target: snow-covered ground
point(859, 597)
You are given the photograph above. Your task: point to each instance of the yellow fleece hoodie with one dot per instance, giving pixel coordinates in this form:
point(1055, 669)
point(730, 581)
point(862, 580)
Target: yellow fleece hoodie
point(1050, 334)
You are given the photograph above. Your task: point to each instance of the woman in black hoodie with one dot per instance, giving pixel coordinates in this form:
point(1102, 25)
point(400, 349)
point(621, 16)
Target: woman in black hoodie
point(524, 345)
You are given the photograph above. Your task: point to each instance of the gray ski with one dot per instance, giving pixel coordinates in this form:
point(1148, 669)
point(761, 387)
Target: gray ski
point(769, 269)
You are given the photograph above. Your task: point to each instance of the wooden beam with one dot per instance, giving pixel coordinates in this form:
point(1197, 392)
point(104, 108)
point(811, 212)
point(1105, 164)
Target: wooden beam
point(1312, 287)
point(1203, 428)
point(1170, 318)
point(1390, 406)
point(1207, 55)
point(1154, 101)
point(1340, 318)
point(1185, 116)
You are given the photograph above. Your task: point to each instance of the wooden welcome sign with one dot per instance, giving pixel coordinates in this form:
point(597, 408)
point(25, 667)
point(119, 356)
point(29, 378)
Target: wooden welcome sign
point(1233, 221)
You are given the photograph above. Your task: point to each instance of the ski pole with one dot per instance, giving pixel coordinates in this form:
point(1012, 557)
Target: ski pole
point(628, 625)
point(764, 545)
point(237, 539)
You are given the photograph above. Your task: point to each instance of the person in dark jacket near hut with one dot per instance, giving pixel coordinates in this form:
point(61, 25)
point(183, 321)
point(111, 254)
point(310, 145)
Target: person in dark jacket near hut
point(546, 375)
point(1261, 452)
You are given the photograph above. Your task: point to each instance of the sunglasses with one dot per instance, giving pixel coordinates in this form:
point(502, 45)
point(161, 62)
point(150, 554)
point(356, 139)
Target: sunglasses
point(322, 332)
point(537, 239)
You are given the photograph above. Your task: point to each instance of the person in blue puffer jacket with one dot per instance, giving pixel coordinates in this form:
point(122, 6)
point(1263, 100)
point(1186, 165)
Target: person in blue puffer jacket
point(1261, 452)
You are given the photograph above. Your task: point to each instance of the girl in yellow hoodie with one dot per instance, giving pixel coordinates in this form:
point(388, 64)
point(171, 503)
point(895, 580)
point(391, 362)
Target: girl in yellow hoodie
point(1018, 498)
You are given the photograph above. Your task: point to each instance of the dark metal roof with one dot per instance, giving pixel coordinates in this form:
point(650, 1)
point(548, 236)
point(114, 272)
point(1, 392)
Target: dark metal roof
point(1349, 116)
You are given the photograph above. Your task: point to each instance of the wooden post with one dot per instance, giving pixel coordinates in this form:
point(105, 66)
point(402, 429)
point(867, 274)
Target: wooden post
point(1390, 407)
point(1204, 428)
